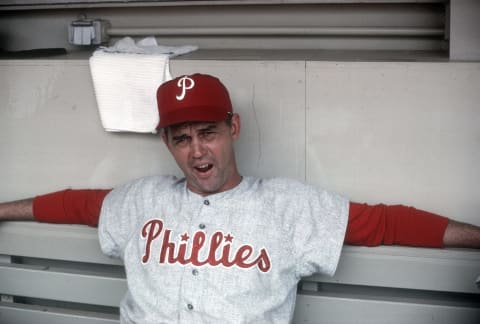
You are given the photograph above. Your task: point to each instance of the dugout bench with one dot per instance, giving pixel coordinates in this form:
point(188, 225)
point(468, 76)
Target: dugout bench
point(57, 274)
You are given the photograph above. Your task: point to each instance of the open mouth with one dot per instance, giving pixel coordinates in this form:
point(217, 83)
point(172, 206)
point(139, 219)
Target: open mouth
point(204, 167)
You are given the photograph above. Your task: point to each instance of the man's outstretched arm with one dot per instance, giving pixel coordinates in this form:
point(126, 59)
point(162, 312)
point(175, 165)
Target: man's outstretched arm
point(373, 225)
point(81, 206)
point(368, 225)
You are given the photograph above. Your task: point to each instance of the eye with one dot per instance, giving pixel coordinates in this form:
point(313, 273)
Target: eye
point(181, 140)
point(208, 135)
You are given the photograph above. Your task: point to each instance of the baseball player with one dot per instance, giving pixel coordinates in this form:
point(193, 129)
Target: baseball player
point(216, 246)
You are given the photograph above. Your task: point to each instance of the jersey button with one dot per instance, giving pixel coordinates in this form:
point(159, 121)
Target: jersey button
point(202, 226)
point(190, 306)
point(206, 202)
point(195, 272)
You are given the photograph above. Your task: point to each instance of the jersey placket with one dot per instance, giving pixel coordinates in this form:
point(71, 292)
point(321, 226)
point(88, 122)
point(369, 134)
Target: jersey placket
point(193, 291)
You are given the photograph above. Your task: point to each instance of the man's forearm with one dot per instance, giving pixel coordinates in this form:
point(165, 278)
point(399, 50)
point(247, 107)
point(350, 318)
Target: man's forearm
point(81, 206)
point(458, 234)
point(17, 210)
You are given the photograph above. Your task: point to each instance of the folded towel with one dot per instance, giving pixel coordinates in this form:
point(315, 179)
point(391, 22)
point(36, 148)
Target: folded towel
point(125, 87)
point(126, 78)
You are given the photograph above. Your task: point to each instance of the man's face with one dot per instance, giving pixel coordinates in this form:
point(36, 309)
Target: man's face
point(204, 152)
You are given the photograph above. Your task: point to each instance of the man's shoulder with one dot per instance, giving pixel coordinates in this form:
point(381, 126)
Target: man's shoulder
point(280, 185)
point(292, 189)
point(164, 180)
point(149, 184)
point(281, 182)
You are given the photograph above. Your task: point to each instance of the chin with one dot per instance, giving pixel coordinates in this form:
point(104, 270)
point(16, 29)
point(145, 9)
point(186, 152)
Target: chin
point(205, 189)
point(209, 190)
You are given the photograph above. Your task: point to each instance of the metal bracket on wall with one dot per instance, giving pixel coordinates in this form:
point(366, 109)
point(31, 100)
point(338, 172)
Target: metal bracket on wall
point(86, 32)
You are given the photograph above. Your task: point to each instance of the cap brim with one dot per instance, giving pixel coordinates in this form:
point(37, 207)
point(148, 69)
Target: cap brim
point(196, 114)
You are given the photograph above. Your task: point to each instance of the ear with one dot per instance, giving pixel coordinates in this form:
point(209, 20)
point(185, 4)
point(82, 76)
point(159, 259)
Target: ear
point(235, 127)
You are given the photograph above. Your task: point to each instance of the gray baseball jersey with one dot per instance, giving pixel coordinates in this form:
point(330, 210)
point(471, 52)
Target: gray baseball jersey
point(231, 257)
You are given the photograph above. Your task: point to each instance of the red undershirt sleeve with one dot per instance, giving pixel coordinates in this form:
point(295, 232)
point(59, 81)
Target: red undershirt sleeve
point(70, 206)
point(381, 224)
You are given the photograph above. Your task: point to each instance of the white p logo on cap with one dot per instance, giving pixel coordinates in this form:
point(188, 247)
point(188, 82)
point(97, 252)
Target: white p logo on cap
point(185, 83)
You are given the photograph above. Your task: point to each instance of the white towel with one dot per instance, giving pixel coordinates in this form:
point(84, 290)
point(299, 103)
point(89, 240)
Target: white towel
point(126, 78)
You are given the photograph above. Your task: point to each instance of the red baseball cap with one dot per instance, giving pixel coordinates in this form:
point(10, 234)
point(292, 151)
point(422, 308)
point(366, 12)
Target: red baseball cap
point(189, 98)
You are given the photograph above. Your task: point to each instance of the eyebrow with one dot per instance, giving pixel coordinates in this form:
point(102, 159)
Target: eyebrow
point(179, 137)
point(207, 127)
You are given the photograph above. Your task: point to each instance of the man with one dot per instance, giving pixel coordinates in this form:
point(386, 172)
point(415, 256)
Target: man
point(218, 247)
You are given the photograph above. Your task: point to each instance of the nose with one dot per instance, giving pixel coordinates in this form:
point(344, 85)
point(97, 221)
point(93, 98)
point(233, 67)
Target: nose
point(197, 148)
